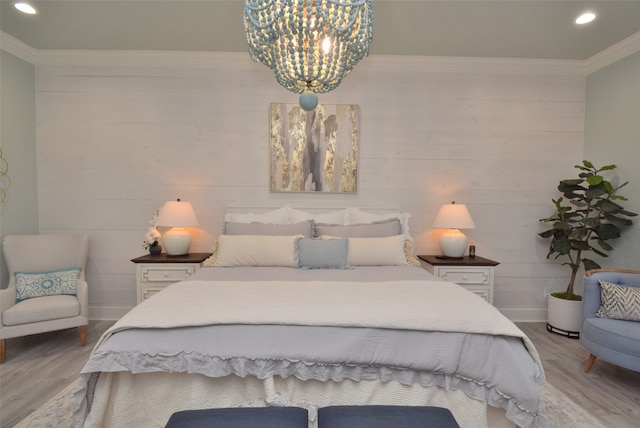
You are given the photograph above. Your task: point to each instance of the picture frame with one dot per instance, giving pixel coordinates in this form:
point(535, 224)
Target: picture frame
point(314, 151)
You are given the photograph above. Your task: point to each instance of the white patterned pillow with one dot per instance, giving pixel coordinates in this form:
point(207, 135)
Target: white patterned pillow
point(39, 284)
point(619, 302)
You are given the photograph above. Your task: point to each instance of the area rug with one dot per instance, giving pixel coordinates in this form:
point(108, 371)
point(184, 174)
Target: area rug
point(562, 411)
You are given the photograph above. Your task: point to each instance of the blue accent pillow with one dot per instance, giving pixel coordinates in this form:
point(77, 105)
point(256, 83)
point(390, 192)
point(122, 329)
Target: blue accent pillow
point(321, 254)
point(39, 284)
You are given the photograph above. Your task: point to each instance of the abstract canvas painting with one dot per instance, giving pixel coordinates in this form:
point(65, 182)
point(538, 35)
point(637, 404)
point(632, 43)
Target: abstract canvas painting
point(314, 151)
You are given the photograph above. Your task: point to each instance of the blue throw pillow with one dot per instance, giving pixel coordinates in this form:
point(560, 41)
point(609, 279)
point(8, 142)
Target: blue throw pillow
point(321, 254)
point(39, 284)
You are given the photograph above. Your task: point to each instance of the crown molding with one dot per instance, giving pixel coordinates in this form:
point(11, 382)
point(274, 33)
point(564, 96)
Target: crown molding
point(241, 59)
point(426, 64)
point(620, 50)
point(143, 58)
point(17, 48)
point(626, 47)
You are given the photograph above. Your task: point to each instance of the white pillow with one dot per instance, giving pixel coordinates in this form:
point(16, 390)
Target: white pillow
point(357, 216)
point(255, 250)
point(387, 251)
point(277, 216)
point(333, 217)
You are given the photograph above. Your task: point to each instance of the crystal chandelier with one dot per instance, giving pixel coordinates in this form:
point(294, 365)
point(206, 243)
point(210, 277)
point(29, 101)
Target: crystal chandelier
point(311, 45)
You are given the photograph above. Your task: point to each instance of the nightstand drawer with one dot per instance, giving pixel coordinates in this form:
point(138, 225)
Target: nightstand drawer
point(473, 273)
point(159, 273)
point(461, 275)
point(155, 273)
point(483, 292)
point(147, 292)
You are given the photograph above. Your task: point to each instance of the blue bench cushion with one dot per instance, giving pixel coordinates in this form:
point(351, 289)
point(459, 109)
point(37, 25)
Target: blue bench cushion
point(385, 417)
point(241, 417)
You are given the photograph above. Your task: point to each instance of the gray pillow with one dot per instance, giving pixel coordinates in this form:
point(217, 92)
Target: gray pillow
point(379, 229)
point(304, 228)
point(321, 254)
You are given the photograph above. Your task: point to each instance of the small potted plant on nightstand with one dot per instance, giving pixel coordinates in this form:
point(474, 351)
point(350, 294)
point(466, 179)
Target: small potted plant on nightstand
point(150, 241)
point(587, 216)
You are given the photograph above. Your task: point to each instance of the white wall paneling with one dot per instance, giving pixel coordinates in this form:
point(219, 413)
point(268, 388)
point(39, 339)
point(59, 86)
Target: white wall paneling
point(115, 140)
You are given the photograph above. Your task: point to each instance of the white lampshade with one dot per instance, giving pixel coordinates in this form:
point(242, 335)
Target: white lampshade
point(453, 243)
point(177, 215)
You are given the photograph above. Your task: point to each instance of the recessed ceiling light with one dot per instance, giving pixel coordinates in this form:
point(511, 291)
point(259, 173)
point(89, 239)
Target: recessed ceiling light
point(585, 18)
point(25, 8)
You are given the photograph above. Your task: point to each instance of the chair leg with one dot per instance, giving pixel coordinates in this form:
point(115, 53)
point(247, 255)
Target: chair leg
point(3, 350)
point(590, 361)
point(83, 334)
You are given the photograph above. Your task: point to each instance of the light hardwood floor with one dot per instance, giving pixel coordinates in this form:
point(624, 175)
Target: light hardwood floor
point(40, 366)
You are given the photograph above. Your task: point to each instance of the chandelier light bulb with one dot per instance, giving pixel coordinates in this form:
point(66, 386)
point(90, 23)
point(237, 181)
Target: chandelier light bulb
point(326, 45)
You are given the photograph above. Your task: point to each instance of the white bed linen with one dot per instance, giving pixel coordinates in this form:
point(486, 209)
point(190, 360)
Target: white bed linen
point(397, 305)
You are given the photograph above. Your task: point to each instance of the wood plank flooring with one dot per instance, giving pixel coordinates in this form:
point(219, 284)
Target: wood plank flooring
point(40, 366)
point(610, 393)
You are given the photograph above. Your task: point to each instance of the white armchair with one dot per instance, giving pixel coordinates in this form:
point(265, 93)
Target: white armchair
point(29, 254)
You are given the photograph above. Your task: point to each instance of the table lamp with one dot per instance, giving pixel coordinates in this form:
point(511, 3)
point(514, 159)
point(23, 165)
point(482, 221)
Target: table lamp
point(452, 217)
point(177, 215)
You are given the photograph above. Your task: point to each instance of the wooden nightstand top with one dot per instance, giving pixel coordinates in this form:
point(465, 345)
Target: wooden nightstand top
point(165, 258)
point(465, 261)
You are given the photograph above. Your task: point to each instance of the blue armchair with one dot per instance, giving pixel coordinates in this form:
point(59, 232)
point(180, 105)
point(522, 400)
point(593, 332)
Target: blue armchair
point(614, 340)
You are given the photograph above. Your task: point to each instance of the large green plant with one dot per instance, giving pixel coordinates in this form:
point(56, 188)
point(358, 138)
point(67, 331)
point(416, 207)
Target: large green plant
point(586, 217)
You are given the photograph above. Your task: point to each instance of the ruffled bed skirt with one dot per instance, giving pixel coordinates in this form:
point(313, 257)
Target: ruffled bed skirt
point(122, 399)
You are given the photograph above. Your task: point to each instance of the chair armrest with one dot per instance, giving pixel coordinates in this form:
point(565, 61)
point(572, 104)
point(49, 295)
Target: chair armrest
point(82, 293)
point(591, 300)
point(7, 300)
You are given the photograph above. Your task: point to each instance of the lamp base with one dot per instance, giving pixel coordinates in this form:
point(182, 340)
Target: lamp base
point(453, 244)
point(177, 241)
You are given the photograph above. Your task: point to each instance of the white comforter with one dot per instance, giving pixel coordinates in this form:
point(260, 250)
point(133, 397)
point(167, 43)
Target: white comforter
point(407, 305)
point(413, 305)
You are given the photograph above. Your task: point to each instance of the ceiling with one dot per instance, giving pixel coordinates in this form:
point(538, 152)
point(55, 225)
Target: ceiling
point(541, 29)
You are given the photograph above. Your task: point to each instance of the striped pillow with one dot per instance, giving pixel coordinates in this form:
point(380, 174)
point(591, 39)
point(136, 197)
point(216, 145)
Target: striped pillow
point(619, 302)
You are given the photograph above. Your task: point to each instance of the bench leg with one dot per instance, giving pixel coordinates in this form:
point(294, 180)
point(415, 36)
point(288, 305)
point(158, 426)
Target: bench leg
point(590, 361)
point(83, 334)
point(3, 350)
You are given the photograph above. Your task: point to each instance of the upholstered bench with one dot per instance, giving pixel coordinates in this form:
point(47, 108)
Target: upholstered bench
point(385, 417)
point(241, 417)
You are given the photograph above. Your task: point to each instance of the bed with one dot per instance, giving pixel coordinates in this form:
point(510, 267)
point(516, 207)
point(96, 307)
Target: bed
point(282, 316)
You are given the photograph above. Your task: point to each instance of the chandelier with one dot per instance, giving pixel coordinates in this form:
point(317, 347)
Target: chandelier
point(311, 45)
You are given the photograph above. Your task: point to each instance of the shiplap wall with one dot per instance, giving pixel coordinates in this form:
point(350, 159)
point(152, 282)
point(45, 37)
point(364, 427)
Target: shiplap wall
point(116, 137)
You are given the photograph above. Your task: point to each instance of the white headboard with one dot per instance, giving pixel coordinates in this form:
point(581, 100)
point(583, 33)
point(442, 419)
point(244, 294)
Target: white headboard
point(242, 209)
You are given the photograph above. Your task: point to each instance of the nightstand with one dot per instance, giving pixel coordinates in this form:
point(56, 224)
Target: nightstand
point(473, 273)
point(155, 272)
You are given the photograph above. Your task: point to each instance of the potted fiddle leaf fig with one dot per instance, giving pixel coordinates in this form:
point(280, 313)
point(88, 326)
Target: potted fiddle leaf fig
point(587, 216)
